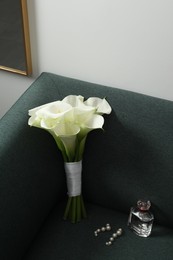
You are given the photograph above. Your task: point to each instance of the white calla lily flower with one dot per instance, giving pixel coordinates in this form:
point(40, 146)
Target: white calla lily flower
point(48, 123)
point(47, 116)
point(74, 100)
point(82, 115)
point(55, 110)
point(94, 122)
point(69, 121)
point(101, 105)
point(34, 121)
point(77, 102)
point(34, 110)
point(66, 129)
point(67, 132)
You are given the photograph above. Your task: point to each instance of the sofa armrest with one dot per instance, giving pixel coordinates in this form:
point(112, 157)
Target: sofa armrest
point(31, 179)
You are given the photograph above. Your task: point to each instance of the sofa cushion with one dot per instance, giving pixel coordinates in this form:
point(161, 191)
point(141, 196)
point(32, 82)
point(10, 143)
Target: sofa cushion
point(60, 239)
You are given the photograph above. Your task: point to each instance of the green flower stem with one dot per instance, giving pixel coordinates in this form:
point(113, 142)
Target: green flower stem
point(78, 208)
point(75, 209)
point(83, 208)
point(67, 208)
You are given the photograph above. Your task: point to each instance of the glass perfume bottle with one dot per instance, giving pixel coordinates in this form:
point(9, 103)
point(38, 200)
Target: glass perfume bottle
point(141, 219)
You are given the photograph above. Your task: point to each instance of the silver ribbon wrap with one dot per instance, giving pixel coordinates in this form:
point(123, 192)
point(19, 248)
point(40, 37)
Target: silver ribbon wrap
point(73, 177)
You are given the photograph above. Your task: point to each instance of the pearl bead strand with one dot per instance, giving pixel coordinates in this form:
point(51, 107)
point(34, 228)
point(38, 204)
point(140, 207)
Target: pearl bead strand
point(102, 229)
point(114, 235)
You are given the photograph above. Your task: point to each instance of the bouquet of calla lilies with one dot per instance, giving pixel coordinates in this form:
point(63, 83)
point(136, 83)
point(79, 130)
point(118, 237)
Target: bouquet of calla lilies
point(69, 121)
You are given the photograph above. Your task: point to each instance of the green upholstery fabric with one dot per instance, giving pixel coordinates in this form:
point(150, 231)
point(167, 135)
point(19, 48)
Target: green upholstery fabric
point(130, 159)
point(63, 240)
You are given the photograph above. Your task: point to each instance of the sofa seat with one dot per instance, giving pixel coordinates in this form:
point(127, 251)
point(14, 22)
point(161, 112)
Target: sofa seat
point(59, 239)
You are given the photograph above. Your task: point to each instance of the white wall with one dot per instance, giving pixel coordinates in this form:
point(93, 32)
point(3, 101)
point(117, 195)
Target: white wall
point(113, 42)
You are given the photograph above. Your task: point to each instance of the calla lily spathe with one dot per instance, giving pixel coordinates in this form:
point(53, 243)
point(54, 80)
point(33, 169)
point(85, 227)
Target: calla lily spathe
point(101, 105)
point(69, 121)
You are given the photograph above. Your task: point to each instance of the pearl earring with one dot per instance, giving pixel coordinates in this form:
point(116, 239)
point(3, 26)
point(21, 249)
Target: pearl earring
point(102, 229)
point(114, 236)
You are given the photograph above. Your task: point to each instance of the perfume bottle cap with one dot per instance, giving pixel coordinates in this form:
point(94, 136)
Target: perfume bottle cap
point(143, 205)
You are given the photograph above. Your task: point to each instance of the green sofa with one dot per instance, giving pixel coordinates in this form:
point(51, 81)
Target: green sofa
point(131, 159)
